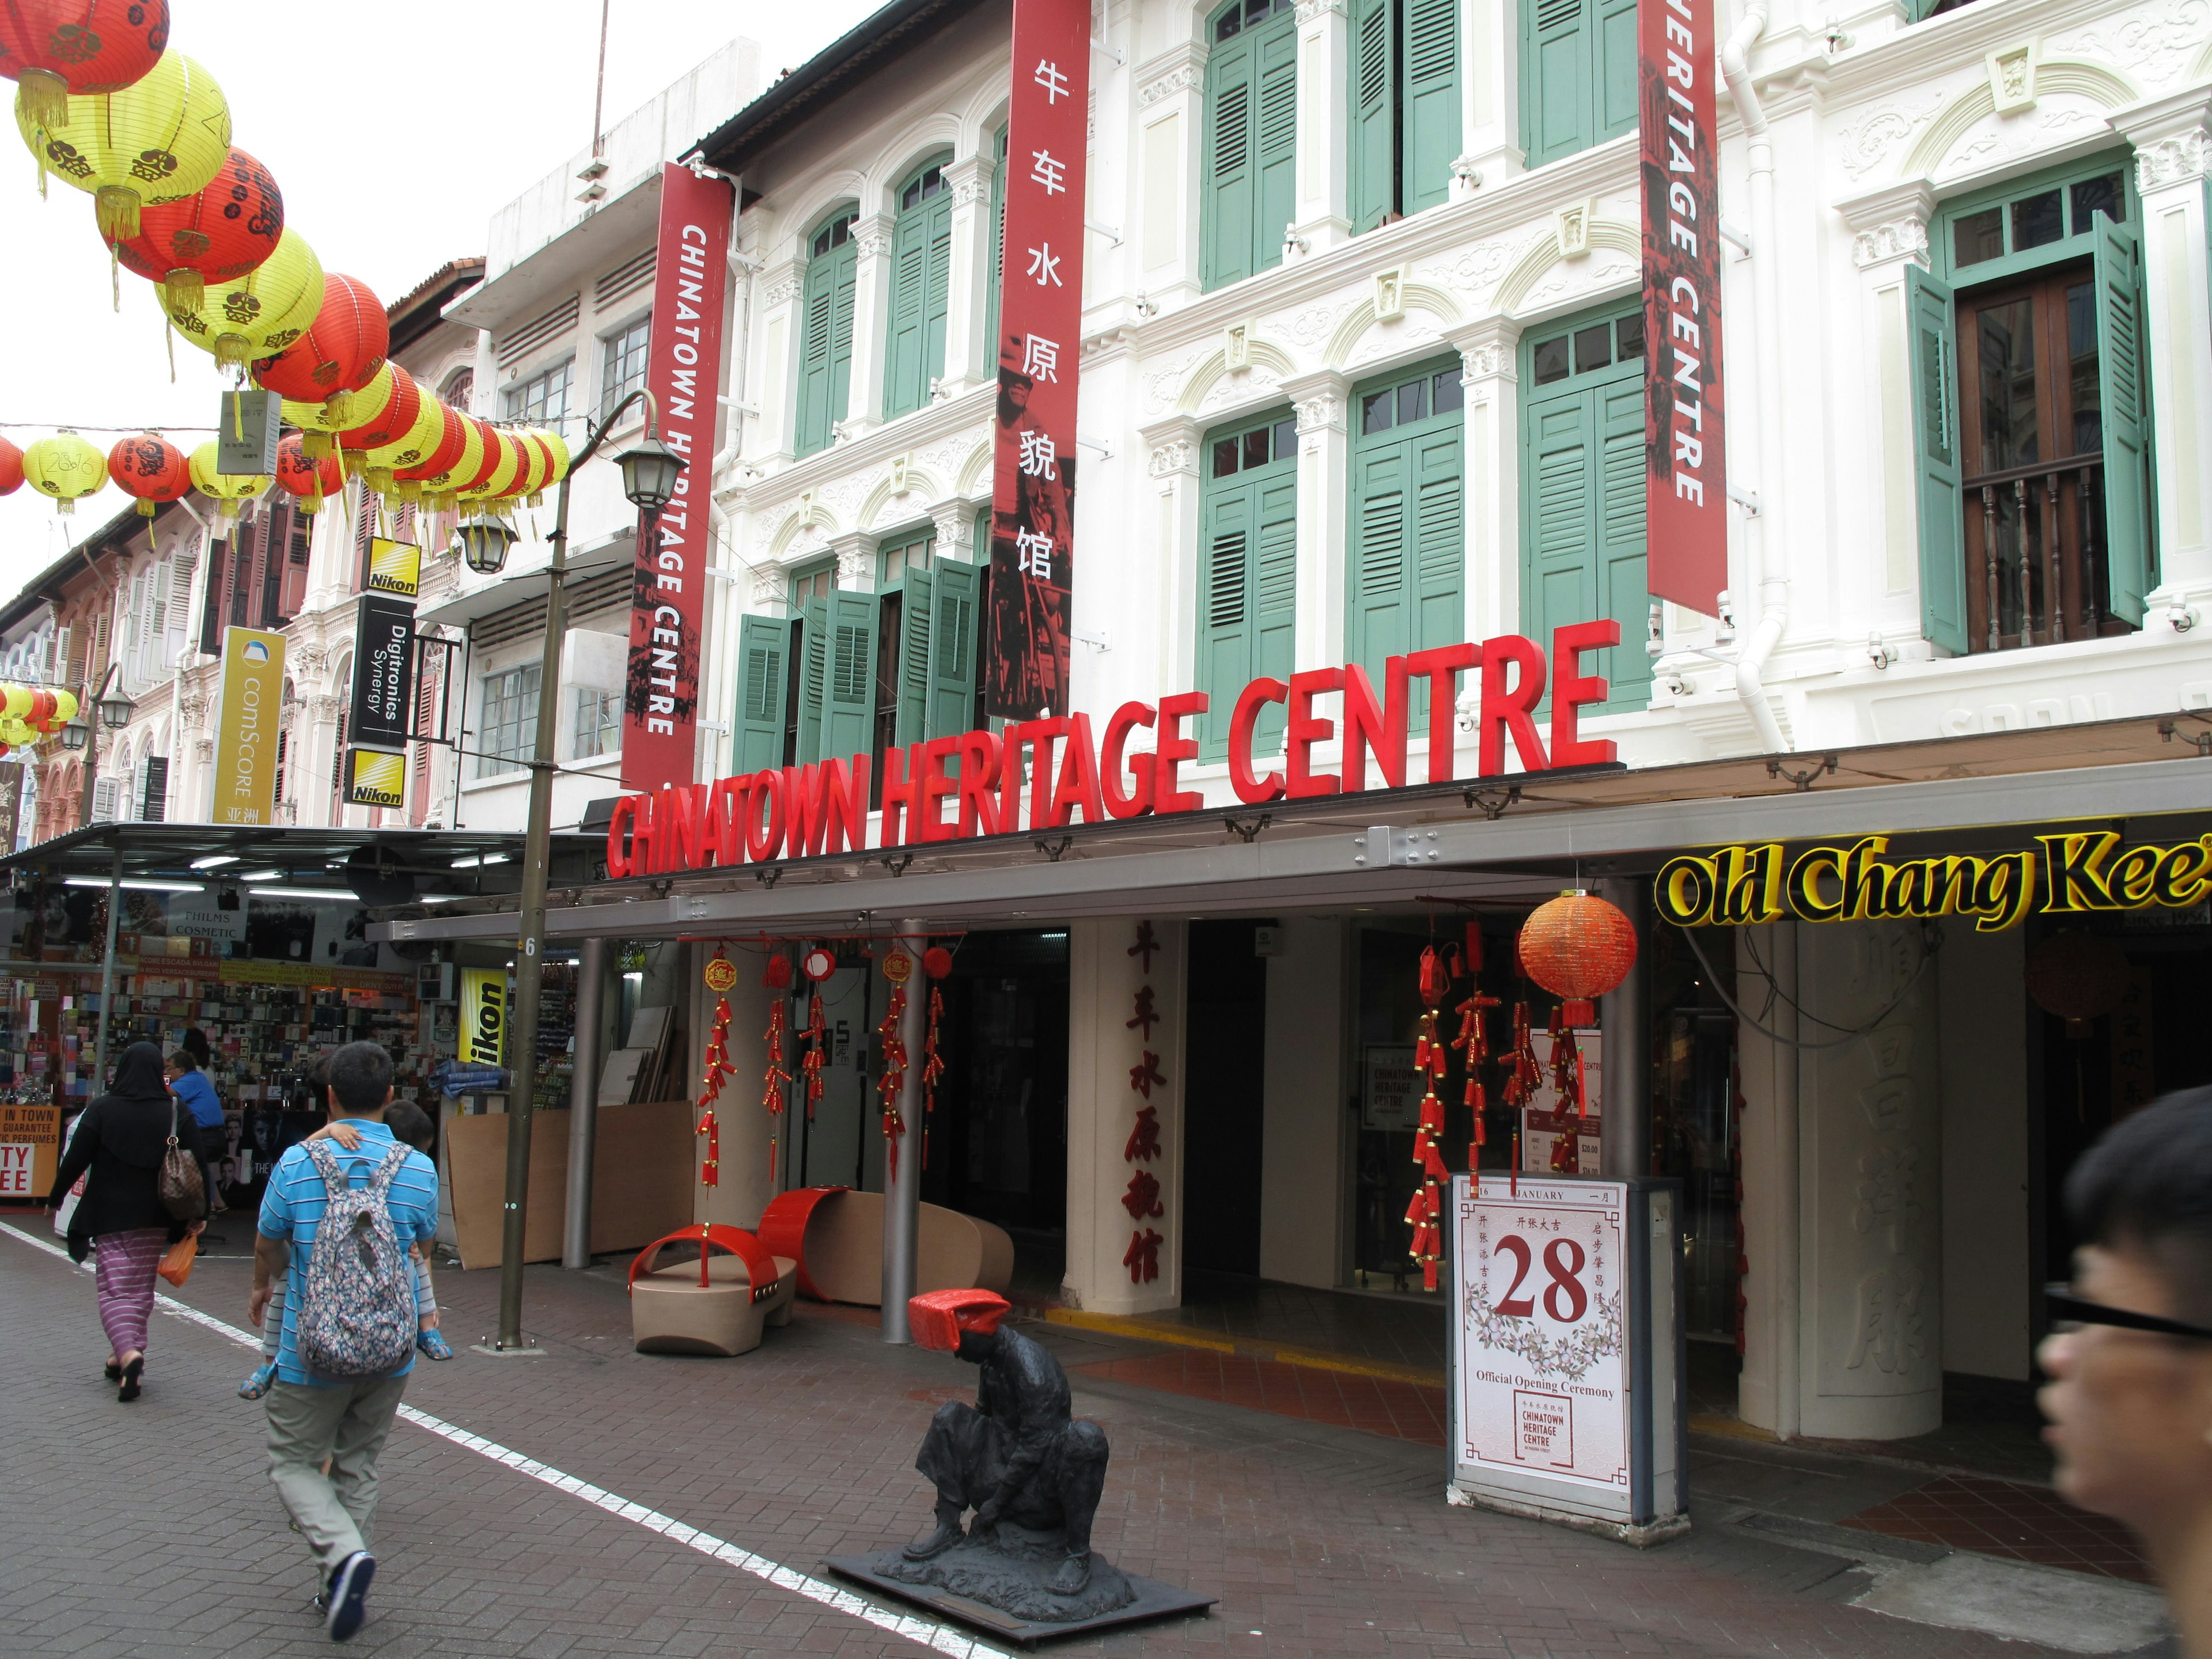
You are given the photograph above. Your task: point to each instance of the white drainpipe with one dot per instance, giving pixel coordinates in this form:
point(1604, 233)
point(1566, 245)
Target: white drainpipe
point(1771, 588)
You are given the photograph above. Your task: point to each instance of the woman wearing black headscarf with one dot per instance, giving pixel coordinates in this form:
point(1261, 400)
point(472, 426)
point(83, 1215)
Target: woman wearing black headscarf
point(121, 1141)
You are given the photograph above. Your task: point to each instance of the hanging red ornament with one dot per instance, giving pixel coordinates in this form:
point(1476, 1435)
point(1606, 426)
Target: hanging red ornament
point(11, 468)
point(710, 1169)
point(339, 353)
point(818, 964)
point(894, 1078)
point(777, 1079)
point(817, 1036)
point(1474, 1044)
point(937, 961)
point(1424, 1215)
point(1430, 1059)
point(2078, 977)
point(309, 480)
point(151, 468)
point(777, 975)
point(1523, 1075)
point(1577, 947)
point(52, 48)
point(933, 1064)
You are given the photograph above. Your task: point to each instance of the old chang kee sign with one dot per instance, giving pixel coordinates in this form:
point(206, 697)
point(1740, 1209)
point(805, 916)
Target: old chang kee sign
point(1076, 774)
point(1542, 1374)
point(1685, 481)
point(1032, 574)
point(683, 370)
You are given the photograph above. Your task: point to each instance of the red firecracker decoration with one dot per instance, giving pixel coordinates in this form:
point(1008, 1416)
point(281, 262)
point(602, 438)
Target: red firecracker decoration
point(1424, 1215)
point(1474, 1044)
point(894, 1078)
point(710, 1090)
point(932, 1066)
point(1577, 947)
point(1430, 1056)
point(817, 1035)
point(1523, 1075)
point(1142, 1258)
point(773, 1085)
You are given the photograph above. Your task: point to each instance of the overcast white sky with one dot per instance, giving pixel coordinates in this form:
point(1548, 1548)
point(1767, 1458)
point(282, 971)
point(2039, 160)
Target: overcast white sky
point(395, 134)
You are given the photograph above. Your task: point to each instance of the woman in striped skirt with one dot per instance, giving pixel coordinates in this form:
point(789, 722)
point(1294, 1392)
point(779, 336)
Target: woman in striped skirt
point(121, 1141)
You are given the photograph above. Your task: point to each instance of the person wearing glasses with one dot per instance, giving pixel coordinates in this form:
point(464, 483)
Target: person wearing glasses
point(2130, 1356)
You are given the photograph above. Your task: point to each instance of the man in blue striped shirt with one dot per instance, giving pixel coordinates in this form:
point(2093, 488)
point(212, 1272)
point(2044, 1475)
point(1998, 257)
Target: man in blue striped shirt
point(311, 1418)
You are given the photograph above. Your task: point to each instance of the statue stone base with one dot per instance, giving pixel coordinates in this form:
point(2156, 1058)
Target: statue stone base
point(1010, 1574)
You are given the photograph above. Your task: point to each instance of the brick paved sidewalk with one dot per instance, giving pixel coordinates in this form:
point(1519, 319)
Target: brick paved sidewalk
point(150, 1530)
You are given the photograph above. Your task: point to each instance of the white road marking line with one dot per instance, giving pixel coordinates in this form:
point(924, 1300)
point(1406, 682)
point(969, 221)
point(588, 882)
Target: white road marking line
point(940, 1639)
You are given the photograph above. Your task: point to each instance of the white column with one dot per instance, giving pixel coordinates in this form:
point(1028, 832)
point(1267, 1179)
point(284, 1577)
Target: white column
point(2173, 138)
point(1303, 1195)
point(1105, 1110)
point(1490, 97)
point(872, 295)
point(956, 532)
point(968, 357)
point(1170, 117)
point(1320, 401)
point(1490, 354)
point(1323, 218)
point(775, 346)
point(1174, 469)
point(856, 560)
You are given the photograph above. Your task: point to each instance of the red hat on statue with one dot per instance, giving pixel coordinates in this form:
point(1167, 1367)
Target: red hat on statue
point(937, 1317)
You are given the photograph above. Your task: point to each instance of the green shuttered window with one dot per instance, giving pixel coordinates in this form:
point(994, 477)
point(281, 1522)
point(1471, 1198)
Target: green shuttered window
point(825, 345)
point(1582, 491)
point(1577, 75)
point(921, 265)
point(1406, 564)
point(1251, 192)
point(1247, 573)
point(1405, 106)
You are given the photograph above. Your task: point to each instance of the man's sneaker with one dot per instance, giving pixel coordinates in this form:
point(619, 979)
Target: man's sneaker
point(433, 1343)
point(258, 1384)
point(347, 1595)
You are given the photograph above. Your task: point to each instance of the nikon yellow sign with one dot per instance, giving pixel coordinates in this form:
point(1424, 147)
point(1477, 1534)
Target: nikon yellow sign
point(252, 697)
point(394, 567)
point(2077, 873)
point(483, 1016)
point(376, 777)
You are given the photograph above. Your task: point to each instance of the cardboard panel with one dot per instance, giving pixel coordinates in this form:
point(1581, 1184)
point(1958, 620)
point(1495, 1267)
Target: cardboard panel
point(641, 1177)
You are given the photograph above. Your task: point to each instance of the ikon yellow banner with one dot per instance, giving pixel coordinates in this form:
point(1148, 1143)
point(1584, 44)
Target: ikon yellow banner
point(376, 777)
point(483, 1015)
point(251, 695)
point(394, 567)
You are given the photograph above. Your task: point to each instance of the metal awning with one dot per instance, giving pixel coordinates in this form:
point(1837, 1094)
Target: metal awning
point(437, 864)
point(1506, 839)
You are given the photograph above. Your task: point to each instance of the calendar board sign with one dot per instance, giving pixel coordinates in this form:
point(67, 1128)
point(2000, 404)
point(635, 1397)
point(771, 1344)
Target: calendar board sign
point(1566, 1351)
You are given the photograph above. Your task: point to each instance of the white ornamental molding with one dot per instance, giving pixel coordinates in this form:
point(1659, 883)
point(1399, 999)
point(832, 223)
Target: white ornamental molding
point(1321, 413)
point(873, 243)
point(855, 566)
point(2172, 161)
point(1865, 146)
point(2011, 77)
point(1906, 239)
point(768, 585)
point(1484, 361)
point(1178, 456)
point(956, 527)
point(1184, 77)
point(1308, 10)
point(783, 291)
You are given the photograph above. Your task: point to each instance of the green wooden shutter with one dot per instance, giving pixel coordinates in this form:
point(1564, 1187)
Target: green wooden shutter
point(1274, 576)
point(921, 264)
point(1431, 114)
point(1226, 535)
point(953, 647)
point(998, 246)
point(1584, 549)
point(1613, 94)
point(1227, 209)
point(1379, 620)
point(813, 677)
point(1438, 547)
point(937, 294)
point(917, 588)
point(761, 642)
point(849, 704)
point(1374, 115)
point(2121, 372)
point(1275, 140)
point(825, 356)
point(1933, 374)
point(1556, 72)
point(1623, 570)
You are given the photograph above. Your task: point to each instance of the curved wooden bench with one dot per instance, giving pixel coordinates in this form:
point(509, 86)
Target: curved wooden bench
point(836, 1236)
point(717, 1306)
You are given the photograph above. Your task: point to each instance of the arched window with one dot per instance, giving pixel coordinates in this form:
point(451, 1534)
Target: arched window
point(826, 350)
point(922, 266)
point(1250, 190)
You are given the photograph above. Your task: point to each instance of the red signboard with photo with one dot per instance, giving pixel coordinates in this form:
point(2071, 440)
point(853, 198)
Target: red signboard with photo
point(1686, 469)
point(684, 370)
point(1040, 322)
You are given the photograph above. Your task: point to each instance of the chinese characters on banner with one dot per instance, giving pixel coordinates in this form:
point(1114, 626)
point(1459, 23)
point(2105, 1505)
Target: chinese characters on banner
point(1685, 458)
point(1040, 320)
point(1142, 1201)
point(683, 372)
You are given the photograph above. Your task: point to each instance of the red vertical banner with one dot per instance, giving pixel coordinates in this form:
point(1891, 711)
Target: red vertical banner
point(1040, 324)
point(1686, 459)
point(683, 372)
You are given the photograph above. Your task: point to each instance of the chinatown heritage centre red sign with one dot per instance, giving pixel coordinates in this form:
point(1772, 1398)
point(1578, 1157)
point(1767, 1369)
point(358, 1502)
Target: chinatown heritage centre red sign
point(1686, 457)
point(1032, 560)
point(682, 371)
point(955, 787)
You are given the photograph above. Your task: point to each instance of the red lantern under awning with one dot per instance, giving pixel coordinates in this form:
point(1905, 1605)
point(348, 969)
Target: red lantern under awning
point(151, 468)
point(2078, 977)
point(1577, 947)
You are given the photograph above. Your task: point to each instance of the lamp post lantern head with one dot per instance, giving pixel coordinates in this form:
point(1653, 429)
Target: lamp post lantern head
point(116, 710)
point(75, 733)
point(484, 543)
point(649, 469)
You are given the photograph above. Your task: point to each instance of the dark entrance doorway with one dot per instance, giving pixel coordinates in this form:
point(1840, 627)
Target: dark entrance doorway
point(1225, 1096)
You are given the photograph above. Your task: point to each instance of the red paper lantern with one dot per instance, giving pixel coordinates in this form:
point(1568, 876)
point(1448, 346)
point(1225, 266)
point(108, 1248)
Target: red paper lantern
point(777, 978)
point(2077, 976)
point(51, 48)
point(1577, 947)
point(453, 441)
point(340, 352)
point(937, 961)
point(11, 468)
point(308, 480)
point(392, 422)
point(222, 233)
point(149, 467)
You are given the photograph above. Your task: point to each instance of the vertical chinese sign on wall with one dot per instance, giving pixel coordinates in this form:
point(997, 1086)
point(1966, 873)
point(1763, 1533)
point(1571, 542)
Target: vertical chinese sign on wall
point(683, 373)
point(1142, 1201)
point(1686, 469)
point(1040, 322)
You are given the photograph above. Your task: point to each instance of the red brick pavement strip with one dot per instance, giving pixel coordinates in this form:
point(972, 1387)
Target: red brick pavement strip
point(161, 1538)
point(2004, 1517)
point(1401, 1411)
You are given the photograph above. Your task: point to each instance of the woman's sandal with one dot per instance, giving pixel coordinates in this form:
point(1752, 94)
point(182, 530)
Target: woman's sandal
point(113, 1370)
point(258, 1384)
point(433, 1343)
point(132, 1370)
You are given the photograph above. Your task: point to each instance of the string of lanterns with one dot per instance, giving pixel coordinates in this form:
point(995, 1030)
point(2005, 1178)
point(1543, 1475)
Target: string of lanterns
point(105, 105)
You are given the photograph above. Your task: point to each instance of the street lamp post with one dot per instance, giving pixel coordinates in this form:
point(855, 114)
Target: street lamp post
point(650, 475)
point(115, 710)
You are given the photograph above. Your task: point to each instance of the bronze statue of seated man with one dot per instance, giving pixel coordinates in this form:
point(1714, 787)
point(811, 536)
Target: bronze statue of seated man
point(1016, 1454)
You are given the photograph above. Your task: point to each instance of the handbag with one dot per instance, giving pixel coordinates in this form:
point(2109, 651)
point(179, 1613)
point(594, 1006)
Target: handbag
point(177, 1261)
point(182, 1192)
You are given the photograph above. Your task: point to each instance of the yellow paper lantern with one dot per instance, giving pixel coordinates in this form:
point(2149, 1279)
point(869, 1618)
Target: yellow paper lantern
point(411, 448)
point(340, 412)
point(438, 489)
point(559, 447)
point(161, 139)
point(226, 489)
point(66, 467)
point(258, 314)
point(499, 482)
point(64, 707)
point(15, 702)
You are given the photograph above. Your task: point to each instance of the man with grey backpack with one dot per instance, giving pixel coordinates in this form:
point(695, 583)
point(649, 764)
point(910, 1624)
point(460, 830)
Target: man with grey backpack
point(343, 1221)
